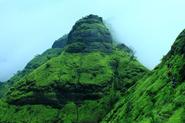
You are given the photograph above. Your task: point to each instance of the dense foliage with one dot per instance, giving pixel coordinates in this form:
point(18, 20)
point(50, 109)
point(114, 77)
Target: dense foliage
point(159, 96)
point(86, 78)
point(92, 34)
point(63, 85)
point(32, 65)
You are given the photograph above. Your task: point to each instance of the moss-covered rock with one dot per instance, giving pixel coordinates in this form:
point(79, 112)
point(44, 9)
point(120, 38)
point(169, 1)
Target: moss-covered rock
point(61, 42)
point(92, 32)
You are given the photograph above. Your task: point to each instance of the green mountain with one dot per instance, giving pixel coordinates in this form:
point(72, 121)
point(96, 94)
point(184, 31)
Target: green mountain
point(88, 78)
point(78, 80)
point(159, 96)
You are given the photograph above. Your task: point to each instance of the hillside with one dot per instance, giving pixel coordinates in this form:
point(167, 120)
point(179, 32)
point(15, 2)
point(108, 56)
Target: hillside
point(159, 96)
point(78, 80)
point(33, 64)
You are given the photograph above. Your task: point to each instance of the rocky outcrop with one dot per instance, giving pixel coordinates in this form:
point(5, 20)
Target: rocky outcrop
point(61, 42)
point(55, 95)
point(91, 34)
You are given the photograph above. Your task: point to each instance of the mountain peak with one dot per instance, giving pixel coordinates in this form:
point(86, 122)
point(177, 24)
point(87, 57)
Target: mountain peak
point(88, 34)
point(93, 17)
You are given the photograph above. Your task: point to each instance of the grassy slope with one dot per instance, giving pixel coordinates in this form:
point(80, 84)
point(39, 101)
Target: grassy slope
point(94, 68)
point(33, 64)
point(153, 99)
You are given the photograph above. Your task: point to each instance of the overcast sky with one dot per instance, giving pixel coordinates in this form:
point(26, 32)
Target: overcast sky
point(29, 27)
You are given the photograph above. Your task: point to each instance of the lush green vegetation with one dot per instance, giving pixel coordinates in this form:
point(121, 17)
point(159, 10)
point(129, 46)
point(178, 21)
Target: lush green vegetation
point(76, 81)
point(159, 96)
point(88, 112)
point(86, 78)
point(37, 61)
point(27, 114)
point(93, 71)
point(91, 77)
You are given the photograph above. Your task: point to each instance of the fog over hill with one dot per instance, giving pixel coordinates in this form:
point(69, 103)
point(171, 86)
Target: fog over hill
point(29, 27)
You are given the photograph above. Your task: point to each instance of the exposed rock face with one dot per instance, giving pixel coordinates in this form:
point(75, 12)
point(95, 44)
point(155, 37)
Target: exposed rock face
point(90, 33)
point(61, 42)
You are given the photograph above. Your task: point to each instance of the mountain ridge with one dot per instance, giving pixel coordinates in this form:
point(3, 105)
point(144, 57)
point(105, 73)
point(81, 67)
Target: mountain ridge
point(159, 96)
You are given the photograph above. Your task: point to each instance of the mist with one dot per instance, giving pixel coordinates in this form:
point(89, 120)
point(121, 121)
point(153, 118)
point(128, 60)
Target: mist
point(30, 27)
